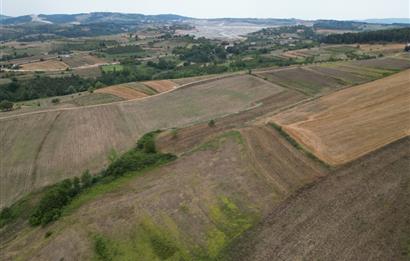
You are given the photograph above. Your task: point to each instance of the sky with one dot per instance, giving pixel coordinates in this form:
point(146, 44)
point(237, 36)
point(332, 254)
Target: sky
point(302, 9)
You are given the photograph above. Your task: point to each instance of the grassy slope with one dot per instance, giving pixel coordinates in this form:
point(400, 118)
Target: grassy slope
point(190, 209)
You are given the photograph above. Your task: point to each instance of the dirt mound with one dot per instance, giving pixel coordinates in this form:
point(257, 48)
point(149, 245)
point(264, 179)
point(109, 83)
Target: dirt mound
point(360, 212)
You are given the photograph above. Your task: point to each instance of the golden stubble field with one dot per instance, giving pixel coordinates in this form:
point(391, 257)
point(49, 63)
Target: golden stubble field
point(352, 122)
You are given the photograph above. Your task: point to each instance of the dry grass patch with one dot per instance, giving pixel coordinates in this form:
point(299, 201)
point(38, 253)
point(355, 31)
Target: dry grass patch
point(48, 65)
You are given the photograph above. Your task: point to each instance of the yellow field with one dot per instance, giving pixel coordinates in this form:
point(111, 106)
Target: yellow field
point(350, 123)
point(49, 65)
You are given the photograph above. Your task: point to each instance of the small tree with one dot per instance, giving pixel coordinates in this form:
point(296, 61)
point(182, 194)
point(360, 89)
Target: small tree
point(55, 100)
point(211, 123)
point(6, 105)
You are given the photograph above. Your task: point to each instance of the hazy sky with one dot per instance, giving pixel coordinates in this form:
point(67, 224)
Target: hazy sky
point(304, 9)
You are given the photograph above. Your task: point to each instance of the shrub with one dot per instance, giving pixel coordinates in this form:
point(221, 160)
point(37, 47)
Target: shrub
point(6, 105)
point(86, 179)
point(211, 123)
point(55, 100)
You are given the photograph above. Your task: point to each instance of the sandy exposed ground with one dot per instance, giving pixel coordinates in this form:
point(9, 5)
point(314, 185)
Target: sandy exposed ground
point(347, 124)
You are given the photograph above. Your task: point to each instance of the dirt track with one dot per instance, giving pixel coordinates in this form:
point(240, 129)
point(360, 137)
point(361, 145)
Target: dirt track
point(360, 212)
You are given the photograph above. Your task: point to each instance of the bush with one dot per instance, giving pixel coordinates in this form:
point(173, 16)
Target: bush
point(55, 100)
point(86, 179)
point(6, 105)
point(50, 206)
point(211, 123)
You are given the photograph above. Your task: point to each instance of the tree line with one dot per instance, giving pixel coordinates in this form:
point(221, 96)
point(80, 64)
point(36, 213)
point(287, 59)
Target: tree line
point(391, 35)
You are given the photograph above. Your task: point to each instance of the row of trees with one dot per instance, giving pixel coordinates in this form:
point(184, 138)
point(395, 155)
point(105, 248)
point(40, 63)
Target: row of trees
point(391, 35)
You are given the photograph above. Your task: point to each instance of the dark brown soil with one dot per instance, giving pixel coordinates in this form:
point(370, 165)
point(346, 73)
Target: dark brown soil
point(360, 212)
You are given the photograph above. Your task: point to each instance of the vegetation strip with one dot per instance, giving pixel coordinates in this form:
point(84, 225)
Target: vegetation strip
point(298, 146)
point(57, 197)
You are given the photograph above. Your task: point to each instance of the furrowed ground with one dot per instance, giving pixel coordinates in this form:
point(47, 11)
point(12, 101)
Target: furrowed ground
point(347, 124)
point(75, 139)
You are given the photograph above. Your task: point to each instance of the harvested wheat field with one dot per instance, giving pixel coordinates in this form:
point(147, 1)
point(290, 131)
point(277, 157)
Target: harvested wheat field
point(201, 202)
point(347, 124)
point(49, 65)
point(162, 85)
point(72, 140)
point(123, 92)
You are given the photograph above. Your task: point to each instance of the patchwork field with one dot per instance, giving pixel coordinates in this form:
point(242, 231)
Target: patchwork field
point(350, 123)
point(326, 77)
point(74, 139)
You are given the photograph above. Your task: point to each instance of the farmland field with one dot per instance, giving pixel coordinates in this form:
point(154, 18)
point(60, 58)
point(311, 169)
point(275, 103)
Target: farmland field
point(79, 60)
point(123, 92)
point(112, 67)
point(162, 85)
point(198, 193)
point(74, 139)
point(49, 65)
point(350, 123)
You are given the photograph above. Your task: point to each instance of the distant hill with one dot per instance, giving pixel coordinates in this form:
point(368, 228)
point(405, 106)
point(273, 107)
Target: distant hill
point(93, 18)
point(388, 21)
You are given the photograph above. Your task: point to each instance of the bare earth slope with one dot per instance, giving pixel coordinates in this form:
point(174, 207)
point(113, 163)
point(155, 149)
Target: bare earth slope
point(360, 212)
point(347, 124)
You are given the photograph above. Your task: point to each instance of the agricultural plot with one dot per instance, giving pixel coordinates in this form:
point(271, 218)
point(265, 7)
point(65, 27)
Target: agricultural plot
point(112, 68)
point(161, 86)
point(72, 140)
point(79, 60)
point(123, 92)
point(48, 65)
point(302, 79)
point(357, 212)
point(350, 123)
point(195, 206)
point(388, 63)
